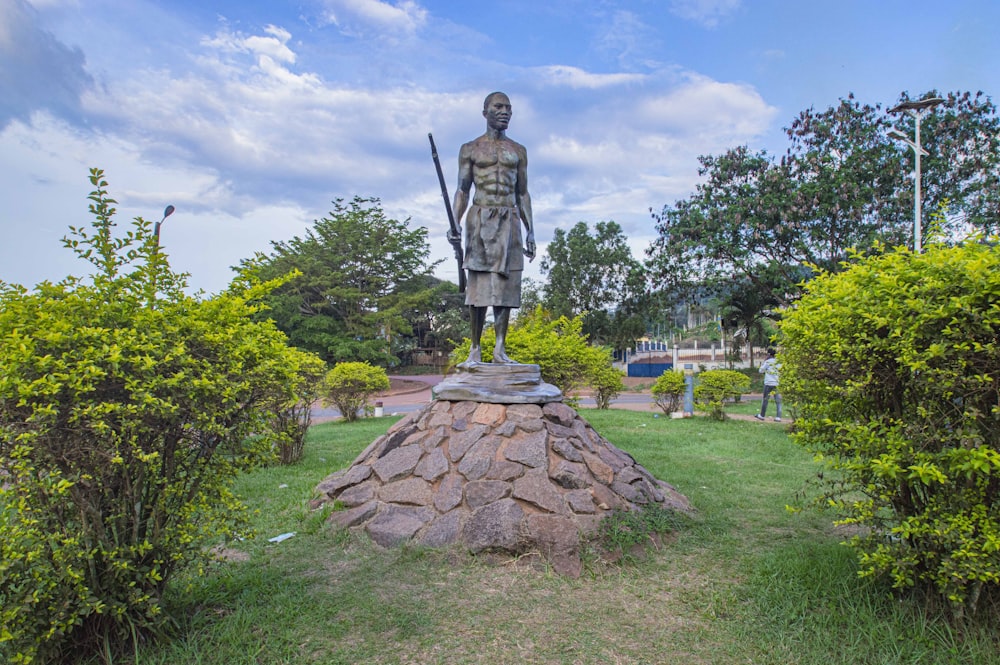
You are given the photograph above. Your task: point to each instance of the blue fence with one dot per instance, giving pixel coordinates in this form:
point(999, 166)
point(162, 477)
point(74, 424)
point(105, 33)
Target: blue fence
point(651, 370)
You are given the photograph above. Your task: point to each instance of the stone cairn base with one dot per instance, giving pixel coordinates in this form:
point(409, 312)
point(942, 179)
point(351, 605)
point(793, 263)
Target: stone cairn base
point(492, 477)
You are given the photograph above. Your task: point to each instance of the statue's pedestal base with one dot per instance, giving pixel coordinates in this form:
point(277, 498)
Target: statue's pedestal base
point(497, 384)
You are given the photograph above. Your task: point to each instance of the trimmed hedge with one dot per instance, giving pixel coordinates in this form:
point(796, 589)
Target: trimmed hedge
point(895, 366)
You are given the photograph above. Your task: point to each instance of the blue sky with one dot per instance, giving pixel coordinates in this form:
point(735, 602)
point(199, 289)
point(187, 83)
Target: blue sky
point(251, 116)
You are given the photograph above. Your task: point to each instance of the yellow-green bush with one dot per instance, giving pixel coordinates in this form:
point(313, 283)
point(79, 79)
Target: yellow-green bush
point(560, 349)
point(349, 386)
point(895, 366)
point(291, 418)
point(715, 387)
point(606, 380)
point(668, 391)
point(126, 408)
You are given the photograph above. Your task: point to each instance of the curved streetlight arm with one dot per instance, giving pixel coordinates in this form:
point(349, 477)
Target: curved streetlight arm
point(169, 210)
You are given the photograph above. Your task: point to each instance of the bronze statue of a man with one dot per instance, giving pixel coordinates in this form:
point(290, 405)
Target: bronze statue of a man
point(494, 255)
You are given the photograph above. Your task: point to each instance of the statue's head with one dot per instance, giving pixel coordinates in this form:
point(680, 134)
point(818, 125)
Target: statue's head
point(496, 110)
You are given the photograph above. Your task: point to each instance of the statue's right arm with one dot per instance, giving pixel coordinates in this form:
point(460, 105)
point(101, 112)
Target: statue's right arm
point(464, 183)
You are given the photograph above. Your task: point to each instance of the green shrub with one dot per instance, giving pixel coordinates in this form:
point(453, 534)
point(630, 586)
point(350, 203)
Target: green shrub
point(606, 380)
point(126, 409)
point(895, 366)
point(668, 391)
point(349, 386)
point(291, 419)
point(715, 387)
point(560, 349)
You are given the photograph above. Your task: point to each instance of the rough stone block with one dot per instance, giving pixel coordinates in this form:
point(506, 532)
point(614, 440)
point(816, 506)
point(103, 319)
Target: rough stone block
point(605, 498)
point(489, 414)
point(392, 527)
point(398, 463)
point(477, 461)
point(462, 410)
point(528, 449)
point(459, 443)
point(434, 439)
point(558, 539)
point(566, 449)
point(601, 471)
point(412, 490)
point(449, 493)
point(478, 493)
point(571, 475)
point(357, 494)
point(628, 492)
point(581, 501)
point(433, 465)
point(524, 412)
point(627, 475)
point(535, 488)
point(496, 525)
point(443, 419)
point(503, 470)
point(336, 482)
point(353, 516)
point(444, 530)
point(559, 413)
point(505, 429)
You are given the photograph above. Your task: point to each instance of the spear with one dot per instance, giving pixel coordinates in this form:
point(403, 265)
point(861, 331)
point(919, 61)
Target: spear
point(455, 237)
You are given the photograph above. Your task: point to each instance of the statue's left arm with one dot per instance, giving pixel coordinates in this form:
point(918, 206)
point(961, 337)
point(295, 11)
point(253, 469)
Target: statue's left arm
point(524, 203)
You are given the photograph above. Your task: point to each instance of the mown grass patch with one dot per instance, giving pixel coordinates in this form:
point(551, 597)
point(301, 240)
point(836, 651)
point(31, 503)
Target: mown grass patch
point(743, 581)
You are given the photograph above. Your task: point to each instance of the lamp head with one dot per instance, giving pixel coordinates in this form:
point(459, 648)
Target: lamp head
point(917, 106)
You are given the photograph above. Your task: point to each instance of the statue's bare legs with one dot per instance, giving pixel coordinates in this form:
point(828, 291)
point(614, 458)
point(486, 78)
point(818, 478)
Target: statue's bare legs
point(501, 319)
point(478, 317)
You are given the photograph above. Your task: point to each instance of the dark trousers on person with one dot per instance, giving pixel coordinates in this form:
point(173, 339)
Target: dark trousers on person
point(768, 391)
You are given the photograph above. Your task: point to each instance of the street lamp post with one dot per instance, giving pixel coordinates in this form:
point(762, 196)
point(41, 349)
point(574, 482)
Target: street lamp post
point(169, 210)
point(918, 110)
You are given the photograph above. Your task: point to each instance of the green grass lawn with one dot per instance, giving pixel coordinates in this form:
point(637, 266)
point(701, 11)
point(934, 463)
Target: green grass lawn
point(745, 581)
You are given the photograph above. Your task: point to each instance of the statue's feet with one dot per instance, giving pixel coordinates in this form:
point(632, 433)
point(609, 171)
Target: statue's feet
point(500, 357)
point(475, 357)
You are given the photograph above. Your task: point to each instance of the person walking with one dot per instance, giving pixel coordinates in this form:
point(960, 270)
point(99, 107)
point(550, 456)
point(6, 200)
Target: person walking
point(770, 369)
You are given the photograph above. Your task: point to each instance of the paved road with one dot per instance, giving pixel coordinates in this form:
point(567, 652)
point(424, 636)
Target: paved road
point(412, 401)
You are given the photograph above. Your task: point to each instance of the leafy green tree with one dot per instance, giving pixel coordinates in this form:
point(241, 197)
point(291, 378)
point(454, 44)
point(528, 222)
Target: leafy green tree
point(126, 410)
point(841, 185)
point(746, 307)
point(593, 276)
point(894, 365)
point(438, 322)
point(961, 173)
point(532, 292)
point(360, 278)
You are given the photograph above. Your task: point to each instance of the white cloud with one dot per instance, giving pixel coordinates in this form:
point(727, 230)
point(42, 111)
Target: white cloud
point(706, 12)
point(250, 141)
point(274, 47)
point(361, 15)
point(575, 77)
